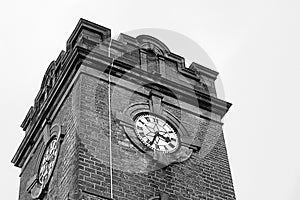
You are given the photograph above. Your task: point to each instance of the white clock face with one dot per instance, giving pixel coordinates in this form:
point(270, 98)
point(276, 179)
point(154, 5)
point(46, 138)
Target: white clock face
point(48, 161)
point(156, 133)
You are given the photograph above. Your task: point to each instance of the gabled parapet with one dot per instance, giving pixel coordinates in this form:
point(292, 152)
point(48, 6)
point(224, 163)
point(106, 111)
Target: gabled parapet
point(149, 42)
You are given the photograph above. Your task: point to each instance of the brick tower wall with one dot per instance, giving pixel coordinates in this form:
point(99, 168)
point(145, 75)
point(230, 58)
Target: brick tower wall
point(64, 179)
point(82, 171)
point(206, 175)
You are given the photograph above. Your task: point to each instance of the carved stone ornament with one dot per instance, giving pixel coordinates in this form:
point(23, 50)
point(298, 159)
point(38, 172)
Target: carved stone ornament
point(156, 131)
point(52, 138)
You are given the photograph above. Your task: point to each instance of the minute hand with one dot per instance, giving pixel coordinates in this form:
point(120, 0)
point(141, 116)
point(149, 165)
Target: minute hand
point(156, 134)
point(167, 139)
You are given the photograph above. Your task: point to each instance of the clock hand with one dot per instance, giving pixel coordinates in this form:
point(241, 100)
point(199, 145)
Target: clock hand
point(148, 128)
point(167, 139)
point(166, 132)
point(156, 124)
point(156, 134)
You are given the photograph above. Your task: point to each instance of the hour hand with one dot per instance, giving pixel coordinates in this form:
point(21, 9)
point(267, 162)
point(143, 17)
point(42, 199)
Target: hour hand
point(167, 139)
point(156, 134)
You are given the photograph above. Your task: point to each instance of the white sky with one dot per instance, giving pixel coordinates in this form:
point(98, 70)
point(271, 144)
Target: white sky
point(254, 46)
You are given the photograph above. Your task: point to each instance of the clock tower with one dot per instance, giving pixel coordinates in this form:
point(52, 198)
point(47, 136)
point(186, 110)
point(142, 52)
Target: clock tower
point(124, 119)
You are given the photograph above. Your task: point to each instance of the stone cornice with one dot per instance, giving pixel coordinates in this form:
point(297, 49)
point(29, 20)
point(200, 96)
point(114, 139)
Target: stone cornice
point(72, 64)
point(204, 70)
point(84, 24)
point(206, 101)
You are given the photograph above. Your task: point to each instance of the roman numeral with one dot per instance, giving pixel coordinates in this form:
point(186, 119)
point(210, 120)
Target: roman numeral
point(142, 134)
point(148, 119)
point(171, 145)
point(140, 128)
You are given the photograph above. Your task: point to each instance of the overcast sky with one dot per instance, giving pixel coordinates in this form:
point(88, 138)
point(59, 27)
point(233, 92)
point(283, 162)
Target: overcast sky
point(254, 46)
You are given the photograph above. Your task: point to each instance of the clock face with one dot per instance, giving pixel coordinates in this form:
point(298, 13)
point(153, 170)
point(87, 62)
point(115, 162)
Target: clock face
point(48, 161)
point(156, 133)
